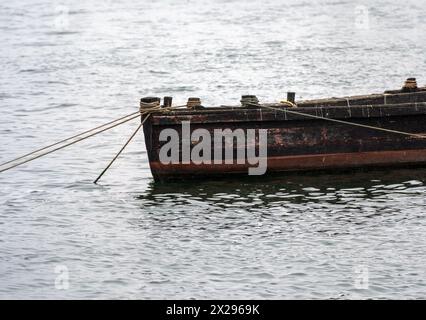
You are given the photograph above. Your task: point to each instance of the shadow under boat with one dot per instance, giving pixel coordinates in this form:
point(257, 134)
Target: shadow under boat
point(293, 187)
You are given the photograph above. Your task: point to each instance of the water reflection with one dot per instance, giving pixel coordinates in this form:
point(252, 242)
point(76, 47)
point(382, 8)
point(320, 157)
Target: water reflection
point(265, 192)
point(330, 203)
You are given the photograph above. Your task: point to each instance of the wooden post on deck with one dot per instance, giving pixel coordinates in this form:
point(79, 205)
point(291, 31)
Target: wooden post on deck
point(167, 102)
point(291, 97)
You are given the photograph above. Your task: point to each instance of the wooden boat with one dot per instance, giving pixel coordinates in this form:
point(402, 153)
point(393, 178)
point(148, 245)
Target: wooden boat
point(377, 130)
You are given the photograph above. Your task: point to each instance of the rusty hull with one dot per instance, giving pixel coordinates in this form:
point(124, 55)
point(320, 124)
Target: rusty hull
point(299, 143)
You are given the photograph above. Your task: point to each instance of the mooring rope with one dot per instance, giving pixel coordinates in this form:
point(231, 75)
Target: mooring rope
point(122, 149)
point(421, 136)
point(80, 137)
point(288, 103)
point(64, 140)
point(60, 147)
point(148, 105)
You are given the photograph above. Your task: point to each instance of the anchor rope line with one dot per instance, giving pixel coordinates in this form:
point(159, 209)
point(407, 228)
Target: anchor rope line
point(80, 137)
point(63, 146)
point(416, 135)
point(64, 140)
point(122, 149)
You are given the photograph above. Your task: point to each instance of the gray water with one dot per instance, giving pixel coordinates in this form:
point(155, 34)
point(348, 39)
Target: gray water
point(68, 66)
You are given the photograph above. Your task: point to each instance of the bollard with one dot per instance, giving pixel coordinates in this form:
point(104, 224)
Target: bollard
point(167, 102)
point(194, 103)
point(291, 97)
point(249, 101)
point(149, 102)
point(410, 85)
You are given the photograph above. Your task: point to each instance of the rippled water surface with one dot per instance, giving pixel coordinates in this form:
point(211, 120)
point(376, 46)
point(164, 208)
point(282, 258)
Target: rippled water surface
point(68, 66)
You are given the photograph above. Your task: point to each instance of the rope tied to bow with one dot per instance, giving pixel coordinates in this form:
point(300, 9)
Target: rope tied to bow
point(145, 110)
point(288, 103)
point(144, 106)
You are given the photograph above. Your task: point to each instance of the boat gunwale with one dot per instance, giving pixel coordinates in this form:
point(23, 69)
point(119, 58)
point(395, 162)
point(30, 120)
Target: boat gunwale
point(278, 113)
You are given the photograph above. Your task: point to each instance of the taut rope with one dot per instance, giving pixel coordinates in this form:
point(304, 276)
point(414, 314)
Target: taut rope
point(122, 149)
point(421, 136)
point(81, 138)
point(64, 140)
point(31, 156)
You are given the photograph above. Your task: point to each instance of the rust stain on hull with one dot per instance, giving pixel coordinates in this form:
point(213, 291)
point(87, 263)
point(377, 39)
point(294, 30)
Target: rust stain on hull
point(299, 143)
point(297, 163)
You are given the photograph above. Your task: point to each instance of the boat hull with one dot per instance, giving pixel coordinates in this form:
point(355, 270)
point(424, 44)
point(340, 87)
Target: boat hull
point(300, 143)
point(319, 162)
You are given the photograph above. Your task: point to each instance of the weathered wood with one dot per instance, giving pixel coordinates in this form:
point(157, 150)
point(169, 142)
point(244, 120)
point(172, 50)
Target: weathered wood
point(298, 143)
point(291, 97)
point(238, 115)
point(167, 102)
point(386, 98)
